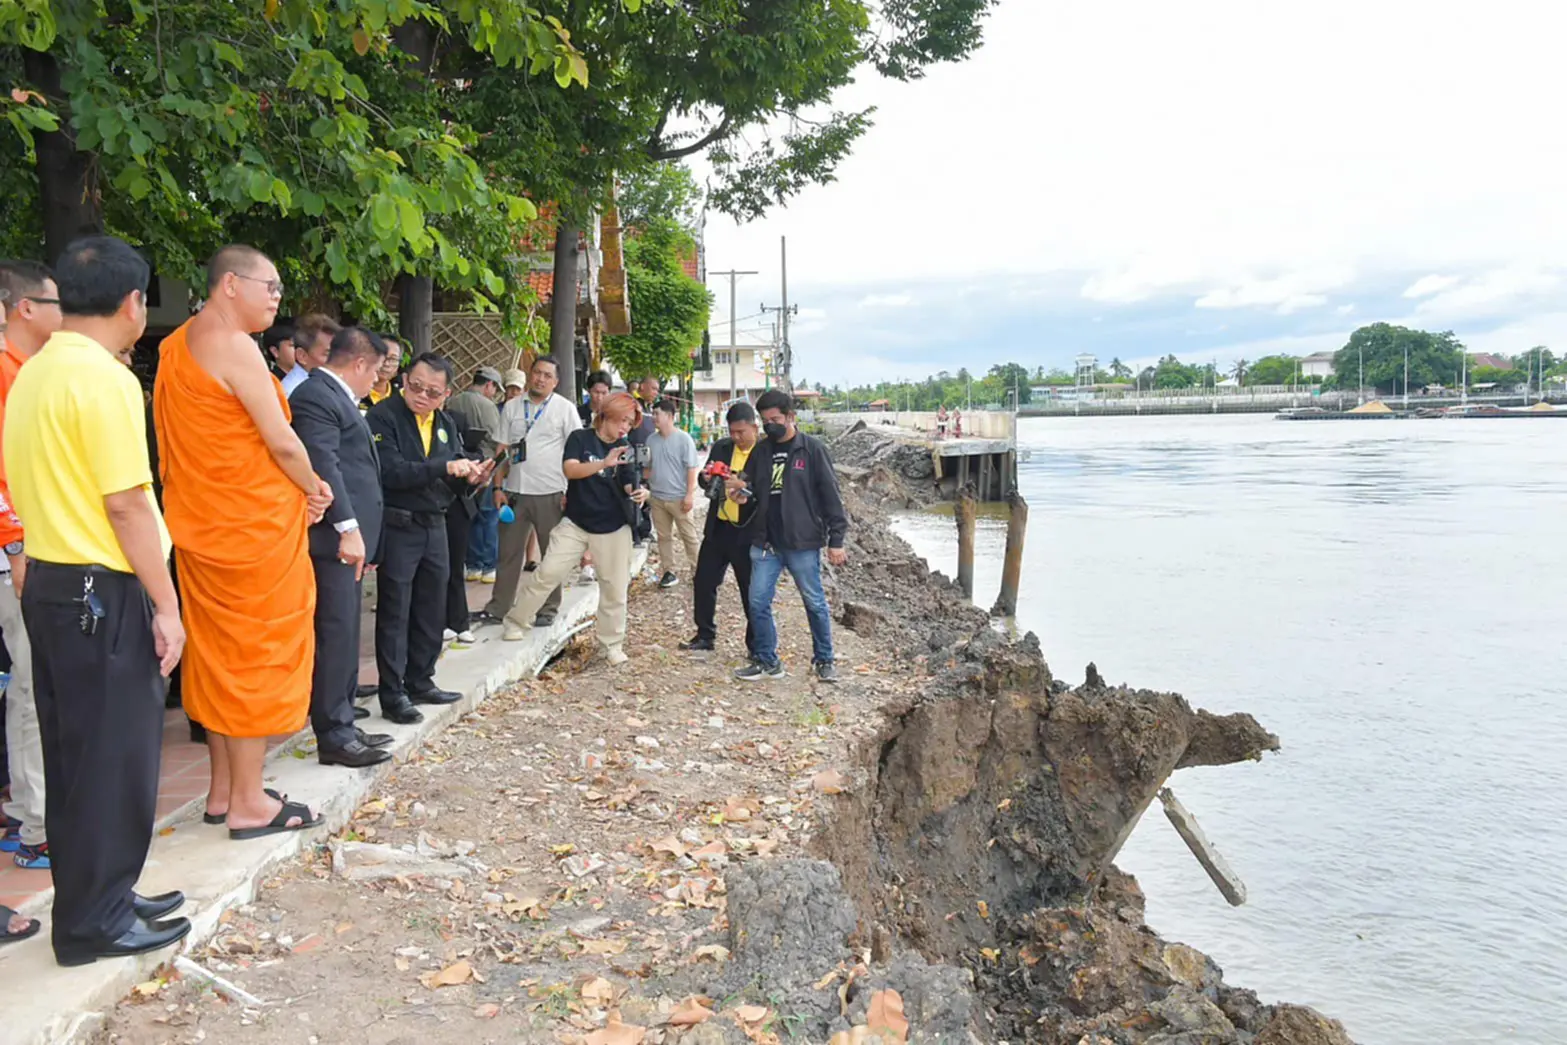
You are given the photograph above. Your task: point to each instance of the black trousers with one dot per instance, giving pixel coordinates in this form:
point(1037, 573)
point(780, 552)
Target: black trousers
point(410, 607)
point(724, 547)
point(335, 677)
point(458, 525)
point(100, 711)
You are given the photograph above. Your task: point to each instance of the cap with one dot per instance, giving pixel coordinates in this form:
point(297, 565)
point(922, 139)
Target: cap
point(488, 373)
point(516, 379)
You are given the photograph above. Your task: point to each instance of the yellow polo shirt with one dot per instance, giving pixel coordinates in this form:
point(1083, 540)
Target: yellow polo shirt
point(75, 432)
point(729, 511)
point(426, 429)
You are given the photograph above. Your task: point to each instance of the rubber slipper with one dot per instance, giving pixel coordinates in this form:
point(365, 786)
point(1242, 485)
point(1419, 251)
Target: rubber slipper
point(280, 823)
point(210, 818)
point(7, 936)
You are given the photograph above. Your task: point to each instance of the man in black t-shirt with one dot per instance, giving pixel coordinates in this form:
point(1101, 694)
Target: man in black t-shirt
point(603, 495)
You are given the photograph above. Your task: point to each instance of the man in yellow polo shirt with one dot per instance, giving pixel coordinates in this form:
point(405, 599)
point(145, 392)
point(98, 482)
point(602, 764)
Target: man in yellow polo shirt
point(726, 543)
point(98, 603)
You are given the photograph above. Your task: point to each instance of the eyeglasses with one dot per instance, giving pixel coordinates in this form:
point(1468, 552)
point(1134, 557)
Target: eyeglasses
point(414, 388)
point(274, 286)
point(40, 301)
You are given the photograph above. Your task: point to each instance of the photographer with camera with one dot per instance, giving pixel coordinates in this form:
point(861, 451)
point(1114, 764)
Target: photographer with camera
point(603, 497)
point(726, 538)
point(534, 429)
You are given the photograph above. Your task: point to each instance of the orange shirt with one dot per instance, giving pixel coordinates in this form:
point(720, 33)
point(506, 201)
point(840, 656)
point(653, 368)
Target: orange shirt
point(11, 362)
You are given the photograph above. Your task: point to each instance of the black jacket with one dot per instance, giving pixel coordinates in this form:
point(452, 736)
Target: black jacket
point(813, 514)
point(343, 453)
point(724, 450)
point(410, 480)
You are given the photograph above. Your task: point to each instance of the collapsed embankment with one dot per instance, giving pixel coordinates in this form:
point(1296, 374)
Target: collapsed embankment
point(969, 863)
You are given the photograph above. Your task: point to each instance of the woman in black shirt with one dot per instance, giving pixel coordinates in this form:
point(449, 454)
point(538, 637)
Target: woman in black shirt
point(602, 497)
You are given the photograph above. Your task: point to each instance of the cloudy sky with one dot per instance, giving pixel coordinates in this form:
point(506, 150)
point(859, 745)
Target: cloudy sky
point(1217, 179)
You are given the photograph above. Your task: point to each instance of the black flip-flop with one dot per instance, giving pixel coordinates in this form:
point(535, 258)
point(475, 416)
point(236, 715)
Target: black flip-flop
point(280, 823)
point(7, 936)
point(209, 818)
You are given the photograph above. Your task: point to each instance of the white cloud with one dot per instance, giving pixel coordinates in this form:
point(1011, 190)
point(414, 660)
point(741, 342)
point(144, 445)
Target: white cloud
point(1201, 159)
point(903, 299)
point(1425, 286)
point(1284, 294)
point(1343, 310)
point(1485, 294)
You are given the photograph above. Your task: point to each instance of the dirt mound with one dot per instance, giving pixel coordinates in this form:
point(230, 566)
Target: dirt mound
point(888, 471)
point(979, 835)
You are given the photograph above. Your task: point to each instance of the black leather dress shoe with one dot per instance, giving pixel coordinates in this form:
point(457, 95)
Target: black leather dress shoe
point(366, 691)
point(698, 645)
point(374, 739)
point(151, 908)
point(354, 755)
point(361, 713)
point(402, 712)
point(141, 937)
point(435, 696)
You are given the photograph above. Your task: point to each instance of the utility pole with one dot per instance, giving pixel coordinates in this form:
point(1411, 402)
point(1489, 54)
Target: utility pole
point(785, 355)
point(734, 351)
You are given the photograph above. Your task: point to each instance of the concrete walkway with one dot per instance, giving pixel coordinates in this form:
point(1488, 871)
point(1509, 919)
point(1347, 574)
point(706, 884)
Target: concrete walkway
point(49, 1005)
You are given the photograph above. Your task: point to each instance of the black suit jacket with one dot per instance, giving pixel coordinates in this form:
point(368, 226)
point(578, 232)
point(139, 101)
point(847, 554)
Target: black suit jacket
point(412, 480)
point(343, 453)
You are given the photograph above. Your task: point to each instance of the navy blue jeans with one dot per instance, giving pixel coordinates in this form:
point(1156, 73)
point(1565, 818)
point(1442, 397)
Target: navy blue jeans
point(483, 537)
point(767, 565)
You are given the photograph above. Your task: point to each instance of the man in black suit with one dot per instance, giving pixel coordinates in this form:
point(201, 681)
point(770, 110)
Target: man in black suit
point(423, 466)
point(327, 420)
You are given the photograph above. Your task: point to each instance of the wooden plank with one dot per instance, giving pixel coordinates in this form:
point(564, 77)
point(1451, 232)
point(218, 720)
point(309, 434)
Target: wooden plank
point(1012, 564)
point(964, 516)
point(1230, 885)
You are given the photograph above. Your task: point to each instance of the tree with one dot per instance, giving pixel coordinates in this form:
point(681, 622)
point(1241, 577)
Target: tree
point(1119, 370)
point(1172, 373)
point(669, 309)
point(1272, 370)
point(1006, 377)
point(1433, 358)
point(302, 130)
point(1239, 370)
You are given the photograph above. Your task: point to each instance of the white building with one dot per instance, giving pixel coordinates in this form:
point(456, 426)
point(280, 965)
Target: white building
point(745, 364)
point(1319, 364)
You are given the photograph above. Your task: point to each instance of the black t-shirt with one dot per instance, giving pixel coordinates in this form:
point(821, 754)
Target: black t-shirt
point(598, 503)
point(775, 499)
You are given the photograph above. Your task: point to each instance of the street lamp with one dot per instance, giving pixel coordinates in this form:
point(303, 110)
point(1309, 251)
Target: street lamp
point(1362, 351)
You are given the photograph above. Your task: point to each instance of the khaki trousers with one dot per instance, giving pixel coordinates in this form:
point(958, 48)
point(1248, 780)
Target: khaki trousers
point(536, 513)
point(669, 519)
point(611, 558)
point(23, 743)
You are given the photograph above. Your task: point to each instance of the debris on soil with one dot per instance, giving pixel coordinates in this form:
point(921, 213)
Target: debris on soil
point(665, 856)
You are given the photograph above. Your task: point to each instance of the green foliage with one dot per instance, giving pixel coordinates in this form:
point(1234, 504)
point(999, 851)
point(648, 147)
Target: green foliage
point(942, 389)
point(1433, 358)
point(1272, 370)
point(302, 129)
point(669, 309)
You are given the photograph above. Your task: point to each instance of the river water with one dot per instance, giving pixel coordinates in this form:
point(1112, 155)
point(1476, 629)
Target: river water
point(1387, 597)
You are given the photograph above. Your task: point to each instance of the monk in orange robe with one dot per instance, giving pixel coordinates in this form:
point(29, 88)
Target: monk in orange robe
point(238, 495)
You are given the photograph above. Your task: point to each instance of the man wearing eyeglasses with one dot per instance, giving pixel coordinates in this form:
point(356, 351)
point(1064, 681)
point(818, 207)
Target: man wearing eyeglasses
point(32, 314)
point(423, 466)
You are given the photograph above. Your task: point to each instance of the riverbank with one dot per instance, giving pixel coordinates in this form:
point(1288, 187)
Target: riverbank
point(600, 851)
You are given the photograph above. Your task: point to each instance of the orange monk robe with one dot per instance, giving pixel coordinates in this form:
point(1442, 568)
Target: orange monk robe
point(247, 590)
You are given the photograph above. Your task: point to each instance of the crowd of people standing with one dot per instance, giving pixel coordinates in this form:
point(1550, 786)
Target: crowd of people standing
point(235, 563)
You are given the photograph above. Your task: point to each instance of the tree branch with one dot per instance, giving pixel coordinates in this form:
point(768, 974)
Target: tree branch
point(659, 151)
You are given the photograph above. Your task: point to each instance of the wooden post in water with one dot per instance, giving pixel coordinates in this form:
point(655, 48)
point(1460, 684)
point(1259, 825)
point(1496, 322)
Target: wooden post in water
point(1012, 565)
point(963, 512)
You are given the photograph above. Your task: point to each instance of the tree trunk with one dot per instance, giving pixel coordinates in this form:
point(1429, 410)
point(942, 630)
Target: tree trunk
point(67, 179)
point(416, 294)
point(415, 309)
point(563, 310)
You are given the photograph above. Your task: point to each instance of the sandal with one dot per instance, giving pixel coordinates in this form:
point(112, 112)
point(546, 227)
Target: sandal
point(213, 818)
point(7, 936)
point(280, 823)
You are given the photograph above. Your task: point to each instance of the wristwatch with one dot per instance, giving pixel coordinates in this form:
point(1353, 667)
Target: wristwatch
point(14, 548)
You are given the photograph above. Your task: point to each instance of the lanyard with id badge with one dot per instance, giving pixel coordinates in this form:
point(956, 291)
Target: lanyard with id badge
point(519, 453)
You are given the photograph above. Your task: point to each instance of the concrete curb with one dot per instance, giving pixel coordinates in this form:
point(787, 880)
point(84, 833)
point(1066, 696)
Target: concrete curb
point(50, 1005)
